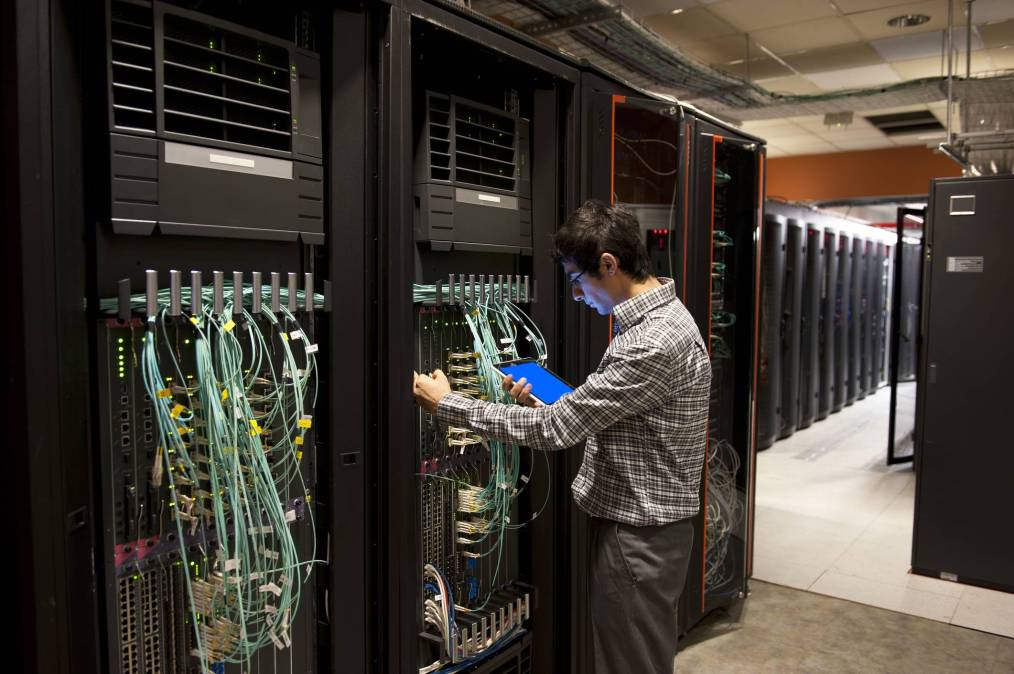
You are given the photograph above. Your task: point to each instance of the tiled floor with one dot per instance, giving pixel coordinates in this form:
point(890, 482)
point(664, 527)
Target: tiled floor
point(780, 630)
point(832, 518)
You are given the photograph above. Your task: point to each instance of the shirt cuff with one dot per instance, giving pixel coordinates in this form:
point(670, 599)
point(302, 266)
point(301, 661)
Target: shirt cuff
point(453, 409)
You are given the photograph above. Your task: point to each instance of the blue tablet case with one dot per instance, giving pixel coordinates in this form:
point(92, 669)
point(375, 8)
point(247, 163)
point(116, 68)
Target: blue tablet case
point(546, 386)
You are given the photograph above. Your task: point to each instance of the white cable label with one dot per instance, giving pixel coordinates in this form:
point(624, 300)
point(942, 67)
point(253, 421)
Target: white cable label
point(296, 334)
point(313, 348)
point(290, 515)
point(271, 587)
point(231, 564)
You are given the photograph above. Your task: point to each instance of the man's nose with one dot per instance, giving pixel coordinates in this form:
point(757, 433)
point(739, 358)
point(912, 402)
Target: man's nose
point(577, 292)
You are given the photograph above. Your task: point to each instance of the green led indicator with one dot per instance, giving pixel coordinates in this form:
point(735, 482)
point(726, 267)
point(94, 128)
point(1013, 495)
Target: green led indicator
point(211, 44)
point(120, 340)
point(186, 341)
point(137, 577)
point(121, 349)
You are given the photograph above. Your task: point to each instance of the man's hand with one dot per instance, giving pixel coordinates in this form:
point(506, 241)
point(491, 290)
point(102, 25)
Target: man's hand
point(429, 389)
point(520, 391)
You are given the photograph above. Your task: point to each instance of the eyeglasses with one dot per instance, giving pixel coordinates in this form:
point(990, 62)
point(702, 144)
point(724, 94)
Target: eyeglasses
point(576, 280)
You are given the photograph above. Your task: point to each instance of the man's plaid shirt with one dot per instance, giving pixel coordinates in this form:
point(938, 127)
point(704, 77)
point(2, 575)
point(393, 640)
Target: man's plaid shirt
point(643, 414)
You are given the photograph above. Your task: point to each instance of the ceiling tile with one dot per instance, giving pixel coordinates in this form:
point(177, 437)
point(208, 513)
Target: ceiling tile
point(720, 49)
point(807, 35)
point(780, 123)
point(851, 55)
point(921, 45)
point(996, 35)
point(914, 107)
point(1002, 58)
point(693, 25)
point(852, 78)
point(858, 126)
point(775, 151)
point(793, 84)
point(757, 69)
point(641, 8)
point(751, 15)
point(816, 146)
point(872, 25)
point(852, 6)
point(992, 10)
point(917, 68)
point(862, 143)
point(931, 67)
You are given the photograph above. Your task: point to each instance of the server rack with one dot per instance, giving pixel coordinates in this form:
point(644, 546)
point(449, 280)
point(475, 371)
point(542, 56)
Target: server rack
point(769, 385)
point(881, 276)
point(157, 196)
point(843, 320)
point(867, 381)
point(792, 309)
point(809, 331)
point(964, 397)
point(828, 331)
point(713, 212)
point(855, 320)
point(462, 86)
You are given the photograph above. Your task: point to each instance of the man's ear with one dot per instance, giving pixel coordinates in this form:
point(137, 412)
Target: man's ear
point(609, 263)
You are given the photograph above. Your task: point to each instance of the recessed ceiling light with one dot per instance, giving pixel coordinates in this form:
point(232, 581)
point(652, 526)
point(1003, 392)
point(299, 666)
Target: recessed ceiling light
point(678, 11)
point(907, 20)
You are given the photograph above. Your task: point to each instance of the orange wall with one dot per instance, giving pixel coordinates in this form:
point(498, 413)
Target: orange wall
point(892, 171)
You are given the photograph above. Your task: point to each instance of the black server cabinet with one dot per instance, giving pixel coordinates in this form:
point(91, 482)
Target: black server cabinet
point(703, 226)
point(828, 332)
point(809, 330)
point(843, 320)
point(963, 462)
point(878, 315)
point(476, 150)
point(237, 190)
point(722, 294)
point(792, 309)
point(856, 317)
point(769, 383)
point(867, 380)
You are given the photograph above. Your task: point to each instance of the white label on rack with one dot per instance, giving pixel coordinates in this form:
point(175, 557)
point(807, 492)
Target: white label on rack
point(231, 161)
point(271, 587)
point(296, 334)
point(488, 197)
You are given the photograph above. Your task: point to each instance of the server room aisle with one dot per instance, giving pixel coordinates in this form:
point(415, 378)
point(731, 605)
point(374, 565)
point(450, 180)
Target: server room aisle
point(833, 519)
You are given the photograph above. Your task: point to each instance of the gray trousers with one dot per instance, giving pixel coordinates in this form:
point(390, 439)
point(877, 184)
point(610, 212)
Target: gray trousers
point(636, 577)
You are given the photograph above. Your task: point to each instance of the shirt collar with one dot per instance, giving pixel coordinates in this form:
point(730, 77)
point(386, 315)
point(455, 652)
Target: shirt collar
point(629, 312)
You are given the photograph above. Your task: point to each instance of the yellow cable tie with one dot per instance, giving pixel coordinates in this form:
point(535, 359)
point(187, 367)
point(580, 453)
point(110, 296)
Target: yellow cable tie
point(176, 411)
point(193, 319)
point(229, 326)
point(306, 421)
point(299, 439)
point(299, 456)
point(165, 393)
point(225, 394)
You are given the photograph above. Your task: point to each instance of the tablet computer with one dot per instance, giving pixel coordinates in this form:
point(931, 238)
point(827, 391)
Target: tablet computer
point(547, 388)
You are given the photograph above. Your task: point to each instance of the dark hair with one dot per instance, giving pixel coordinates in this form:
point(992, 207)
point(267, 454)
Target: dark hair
point(597, 228)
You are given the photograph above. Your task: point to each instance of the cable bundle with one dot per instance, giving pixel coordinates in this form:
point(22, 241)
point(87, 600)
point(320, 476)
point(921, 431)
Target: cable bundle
point(724, 512)
point(483, 505)
point(231, 438)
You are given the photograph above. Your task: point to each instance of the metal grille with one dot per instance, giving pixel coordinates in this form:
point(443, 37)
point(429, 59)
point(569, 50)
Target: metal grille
point(131, 40)
point(221, 85)
point(484, 147)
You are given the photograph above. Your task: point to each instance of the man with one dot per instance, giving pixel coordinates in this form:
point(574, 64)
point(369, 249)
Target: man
point(643, 414)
